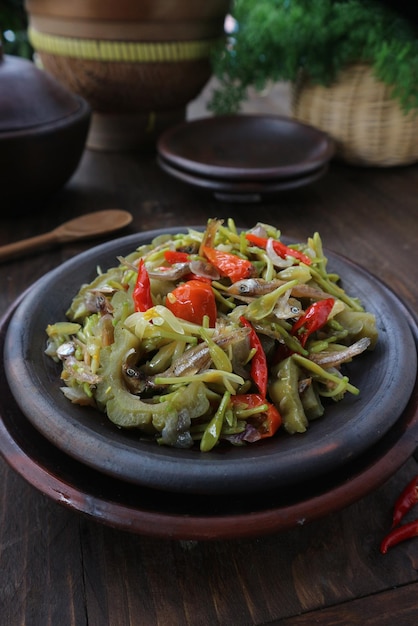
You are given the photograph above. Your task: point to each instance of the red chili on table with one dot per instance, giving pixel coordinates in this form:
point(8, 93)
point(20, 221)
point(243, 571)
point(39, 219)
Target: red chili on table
point(405, 502)
point(407, 499)
point(398, 534)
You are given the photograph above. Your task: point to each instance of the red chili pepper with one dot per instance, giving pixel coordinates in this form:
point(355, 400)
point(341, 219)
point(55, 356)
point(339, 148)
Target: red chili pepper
point(315, 316)
point(405, 502)
point(142, 291)
point(193, 300)
point(398, 534)
point(176, 256)
point(271, 418)
point(259, 369)
point(280, 248)
point(229, 264)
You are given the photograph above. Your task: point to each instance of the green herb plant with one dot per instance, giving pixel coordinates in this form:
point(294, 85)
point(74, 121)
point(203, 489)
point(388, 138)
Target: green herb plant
point(13, 29)
point(274, 40)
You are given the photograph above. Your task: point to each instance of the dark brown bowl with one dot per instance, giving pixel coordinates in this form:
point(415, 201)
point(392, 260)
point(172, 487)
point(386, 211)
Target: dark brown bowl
point(386, 378)
point(43, 131)
point(156, 513)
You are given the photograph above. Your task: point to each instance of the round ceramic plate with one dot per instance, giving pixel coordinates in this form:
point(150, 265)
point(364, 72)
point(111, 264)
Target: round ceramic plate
point(386, 378)
point(156, 513)
point(246, 147)
point(242, 190)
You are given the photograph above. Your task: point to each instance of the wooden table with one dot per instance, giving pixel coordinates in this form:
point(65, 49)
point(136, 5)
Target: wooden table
point(60, 567)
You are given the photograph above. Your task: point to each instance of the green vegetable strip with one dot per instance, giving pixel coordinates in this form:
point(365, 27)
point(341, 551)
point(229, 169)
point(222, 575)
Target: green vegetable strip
point(323, 373)
point(208, 376)
point(218, 356)
point(227, 302)
point(213, 430)
point(336, 291)
point(264, 305)
point(243, 414)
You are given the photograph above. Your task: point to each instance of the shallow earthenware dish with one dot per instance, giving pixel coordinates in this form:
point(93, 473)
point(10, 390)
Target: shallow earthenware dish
point(386, 378)
point(236, 190)
point(245, 147)
point(156, 513)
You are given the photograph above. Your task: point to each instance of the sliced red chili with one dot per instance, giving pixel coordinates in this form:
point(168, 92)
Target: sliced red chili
point(176, 256)
point(267, 423)
point(314, 318)
point(193, 300)
point(280, 248)
point(228, 264)
point(259, 368)
point(142, 291)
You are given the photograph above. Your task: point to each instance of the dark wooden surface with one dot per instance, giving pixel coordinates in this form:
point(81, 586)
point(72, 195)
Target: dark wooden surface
point(58, 567)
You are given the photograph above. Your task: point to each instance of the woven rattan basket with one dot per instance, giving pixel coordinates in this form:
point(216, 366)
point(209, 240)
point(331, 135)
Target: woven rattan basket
point(367, 124)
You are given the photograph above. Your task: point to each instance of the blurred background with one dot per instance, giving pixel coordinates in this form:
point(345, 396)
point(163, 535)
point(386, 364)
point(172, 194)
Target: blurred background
point(13, 25)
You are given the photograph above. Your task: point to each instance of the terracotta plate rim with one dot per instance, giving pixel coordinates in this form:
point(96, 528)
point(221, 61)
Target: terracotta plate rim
point(90, 438)
point(140, 511)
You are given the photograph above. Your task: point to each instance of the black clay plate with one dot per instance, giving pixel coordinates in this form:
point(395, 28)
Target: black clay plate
point(241, 190)
point(246, 147)
point(137, 509)
point(386, 378)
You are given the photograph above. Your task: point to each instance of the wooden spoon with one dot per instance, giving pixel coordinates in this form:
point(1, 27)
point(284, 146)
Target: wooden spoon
point(82, 227)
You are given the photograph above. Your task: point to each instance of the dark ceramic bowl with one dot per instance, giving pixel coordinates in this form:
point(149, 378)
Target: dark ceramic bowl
point(386, 378)
point(43, 131)
point(137, 509)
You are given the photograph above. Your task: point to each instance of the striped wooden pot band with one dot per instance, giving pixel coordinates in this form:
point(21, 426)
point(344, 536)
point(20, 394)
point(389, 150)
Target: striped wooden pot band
point(126, 51)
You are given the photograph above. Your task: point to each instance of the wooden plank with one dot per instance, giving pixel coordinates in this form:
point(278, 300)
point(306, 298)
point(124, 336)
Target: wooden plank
point(394, 607)
point(41, 570)
point(252, 581)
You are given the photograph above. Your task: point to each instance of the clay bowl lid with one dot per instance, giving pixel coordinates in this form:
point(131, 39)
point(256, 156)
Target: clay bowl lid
point(31, 97)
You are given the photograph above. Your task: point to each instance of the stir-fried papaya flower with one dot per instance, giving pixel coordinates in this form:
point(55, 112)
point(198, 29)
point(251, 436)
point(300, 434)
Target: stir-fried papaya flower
point(213, 337)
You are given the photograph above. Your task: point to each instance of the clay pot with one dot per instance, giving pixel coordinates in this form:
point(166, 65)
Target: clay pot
point(138, 64)
point(43, 130)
